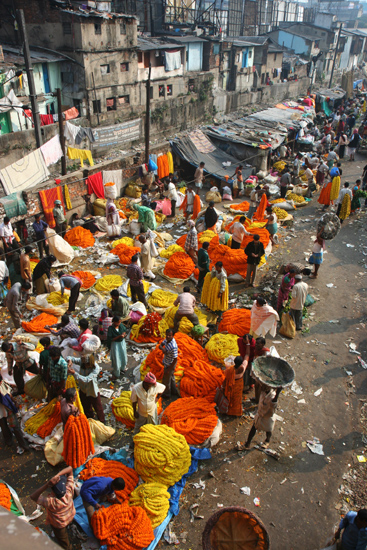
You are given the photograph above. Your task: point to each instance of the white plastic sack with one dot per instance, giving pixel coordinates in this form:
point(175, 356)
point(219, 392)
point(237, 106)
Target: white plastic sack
point(110, 191)
point(273, 352)
point(180, 199)
point(91, 344)
point(59, 247)
point(135, 227)
point(138, 306)
point(271, 179)
point(286, 205)
point(52, 285)
point(113, 230)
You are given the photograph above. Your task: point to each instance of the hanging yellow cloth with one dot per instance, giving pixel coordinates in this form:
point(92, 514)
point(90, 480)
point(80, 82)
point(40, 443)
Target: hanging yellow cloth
point(82, 154)
point(67, 198)
point(170, 162)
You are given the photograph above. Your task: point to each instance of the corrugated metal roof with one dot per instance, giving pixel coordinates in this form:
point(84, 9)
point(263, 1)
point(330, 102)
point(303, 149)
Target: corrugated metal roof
point(13, 54)
point(186, 39)
point(148, 44)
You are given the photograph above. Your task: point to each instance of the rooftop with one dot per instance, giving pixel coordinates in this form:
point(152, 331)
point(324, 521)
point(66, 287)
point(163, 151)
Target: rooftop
point(14, 58)
point(149, 43)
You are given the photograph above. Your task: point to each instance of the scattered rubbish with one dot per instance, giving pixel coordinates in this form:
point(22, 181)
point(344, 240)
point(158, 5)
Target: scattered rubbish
point(301, 401)
point(245, 491)
point(318, 392)
point(335, 321)
point(330, 285)
point(302, 490)
point(194, 515)
point(350, 245)
point(361, 458)
point(169, 536)
point(296, 388)
point(257, 501)
point(200, 485)
point(362, 363)
point(268, 452)
point(106, 393)
point(211, 473)
point(284, 480)
point(315, 446)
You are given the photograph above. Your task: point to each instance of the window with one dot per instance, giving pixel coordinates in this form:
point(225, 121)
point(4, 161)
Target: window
point(67, 78)
point(76, 103)
point(97, 28)
point(123, 27)
point(105, 69)
point(124, 99)
point(244, 59)
point(161, 90)
point(169, 89)
point(216, 49)
point(275, 57)
point(263, 78)
point(146, 60)
point(96, 106)
point(66, 28)
point(250, 54)
point(191, 85)
point(124, 67)
point(111, 104)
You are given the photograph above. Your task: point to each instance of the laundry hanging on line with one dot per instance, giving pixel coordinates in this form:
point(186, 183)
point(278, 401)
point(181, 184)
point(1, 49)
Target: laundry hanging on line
point(81, 154)
point(24, 173)
point(51, 150)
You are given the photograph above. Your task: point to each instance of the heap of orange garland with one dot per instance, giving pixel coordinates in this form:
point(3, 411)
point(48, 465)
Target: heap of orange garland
point(46, 428)
point(38, 323)
point(98, 467)
point(179, 266)
point(125, 253)
point(236, 321)
point(5, 496)
point(122, 527)
point(78, 443)
point(242, 206)
point(194, 418)
point(86, 278)
point(79, 236)
point(259, 215)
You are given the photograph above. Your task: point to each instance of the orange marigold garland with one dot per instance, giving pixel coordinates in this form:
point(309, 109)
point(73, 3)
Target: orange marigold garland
point(125, 253)
point(194, 418)
point(78, 443)
point(38, 323)
point(236, 321)
point(55, 419)
point(86, 278)
point(259, 215)
point(179, 266)
point(79, 236)
point(111, 468)
point(201, 379)
point(242, 206)
point(5, 496)
point(123, 527)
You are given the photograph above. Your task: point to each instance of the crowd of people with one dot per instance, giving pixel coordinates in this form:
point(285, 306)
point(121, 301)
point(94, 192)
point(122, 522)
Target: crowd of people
point(63, 351)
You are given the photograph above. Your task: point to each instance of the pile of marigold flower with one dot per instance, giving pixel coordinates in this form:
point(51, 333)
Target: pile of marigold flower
point(108, 283)
point(38, 323)
point(221, 346)
point(236, 321)
point(98, 467)
point(172, 249)
point(162, 298)
point(79, 236)
point(242, 206)
point(5, 496)
point(154, 499)
point(56, 299)
point(179, 266)
point(125, 253)
point(192, 417)
point(150, 328)
point(86, 278)
point(78, 443)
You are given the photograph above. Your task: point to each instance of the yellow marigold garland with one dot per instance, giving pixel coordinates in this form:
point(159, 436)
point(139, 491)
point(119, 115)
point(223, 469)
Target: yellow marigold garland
point(207, 236)
point(123, 409)
point(125, 240)
point(220, 346)
point(161, 454)
point(280, 213)
point(108, 283)
point(35, 422)
point(162, 298)
point(209, 295)
point(168, 252)
point(154, 499)
point(56, 299)
point(71, 383)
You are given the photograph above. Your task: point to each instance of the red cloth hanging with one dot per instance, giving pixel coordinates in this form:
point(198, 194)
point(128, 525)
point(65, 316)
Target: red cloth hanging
point(48, 198)
point(95, 185)
point(71, 113)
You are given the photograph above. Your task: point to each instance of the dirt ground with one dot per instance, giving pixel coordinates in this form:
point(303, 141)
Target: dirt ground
point(299, 499)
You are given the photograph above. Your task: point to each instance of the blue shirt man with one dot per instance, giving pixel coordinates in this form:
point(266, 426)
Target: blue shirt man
point(355, 530)
point(99, 488)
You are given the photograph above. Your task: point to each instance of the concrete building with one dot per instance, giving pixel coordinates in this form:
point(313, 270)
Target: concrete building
point(344, 11)
point(354, 49)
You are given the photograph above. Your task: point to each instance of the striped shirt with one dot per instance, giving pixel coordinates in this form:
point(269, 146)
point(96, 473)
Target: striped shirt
point(170, 352)
point(60, 511)
point(59, 370)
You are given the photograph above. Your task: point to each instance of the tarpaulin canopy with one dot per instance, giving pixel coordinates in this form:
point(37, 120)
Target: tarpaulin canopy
point(184, 147)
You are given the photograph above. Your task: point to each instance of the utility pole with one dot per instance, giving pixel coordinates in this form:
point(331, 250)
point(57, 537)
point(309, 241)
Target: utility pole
point(152, 30)
point(61, 132)
point(95, 97)
point(29, 70)
point(336, 51)
point(147, 116)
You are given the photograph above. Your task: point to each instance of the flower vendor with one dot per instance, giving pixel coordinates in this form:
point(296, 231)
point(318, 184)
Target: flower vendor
point(272, 224)
point(203, 264)
point(145, 257)
point(173, 197)
point(317, 255)
point(215, 289)
point(170, 350)
point(8, 417)
point(186, 308)
point(210, 216)
point(199, 175)
point(299, 295)
point(354, 525)
point(233, 386)
point(39, 227)
point(144, 397)
point(25, 264)
point(265, 416)
point(74, 284)
point(88, 385)
point(238, 232)
point(104, 322)
point(116, 343)
point(41, 272)
point(67, 405)
point(136, 276)
point(59, 504)
point(285, 287)
point(191, 243)
point(344, 202)
point(146, 217)
point(58, 373)
point(85, 333)
point(44, 359)
point(98, 489)
point(17, 354)
point(246, 348)
point(188, 204)
point(119, 305)
point(260, 351)
point(65, 329)
point(12, 300)
point(254, 252)
point(59, 217)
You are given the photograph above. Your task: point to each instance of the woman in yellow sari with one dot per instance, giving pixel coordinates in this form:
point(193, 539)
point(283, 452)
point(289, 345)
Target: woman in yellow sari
point(233, 386)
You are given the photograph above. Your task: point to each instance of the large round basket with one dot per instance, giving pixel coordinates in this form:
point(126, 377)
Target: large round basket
point(331, 224)
point(273, 371)
point(235, 528)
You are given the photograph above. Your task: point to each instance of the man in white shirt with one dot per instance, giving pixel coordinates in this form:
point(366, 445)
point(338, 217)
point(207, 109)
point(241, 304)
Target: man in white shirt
point(173, 197)
point(299, 295)
point(6, 233)
point(238, 232)
point(144, 397)
point(186, 308)
point(254, 201)
point(199, 175)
